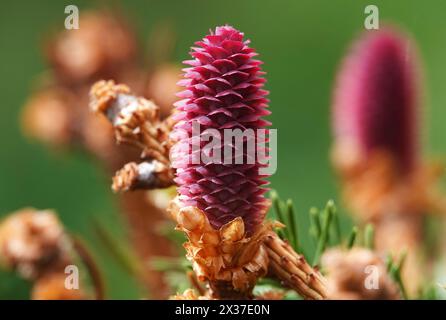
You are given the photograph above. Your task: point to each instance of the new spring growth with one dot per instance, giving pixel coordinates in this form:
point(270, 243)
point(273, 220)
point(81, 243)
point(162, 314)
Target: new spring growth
point(375, 99)
point(223, 91)
point(376, 152)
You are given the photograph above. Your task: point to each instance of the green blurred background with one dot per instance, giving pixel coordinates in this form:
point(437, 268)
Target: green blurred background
point(301, 43)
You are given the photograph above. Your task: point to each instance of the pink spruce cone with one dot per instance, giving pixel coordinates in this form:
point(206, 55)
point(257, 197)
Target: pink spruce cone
point(224, 91)
point(375, 97)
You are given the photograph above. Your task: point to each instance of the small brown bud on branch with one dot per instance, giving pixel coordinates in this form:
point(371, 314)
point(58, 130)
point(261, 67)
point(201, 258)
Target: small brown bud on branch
point(137, 122)
point(35, 244)
point(144, 175)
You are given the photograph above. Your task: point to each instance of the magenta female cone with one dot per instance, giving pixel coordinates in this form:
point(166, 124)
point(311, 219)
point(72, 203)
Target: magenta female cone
point(223, 91)
point(375, 97)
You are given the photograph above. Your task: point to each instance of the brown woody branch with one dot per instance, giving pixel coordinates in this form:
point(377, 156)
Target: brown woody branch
point(293, 270)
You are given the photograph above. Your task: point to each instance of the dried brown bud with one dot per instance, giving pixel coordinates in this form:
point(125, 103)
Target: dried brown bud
point(358, 273)
point(144, 175)
point(136, 121)
point(103, 44)
point(47, 117)
point(103, 94)
point(32, 240)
